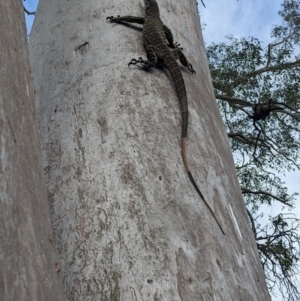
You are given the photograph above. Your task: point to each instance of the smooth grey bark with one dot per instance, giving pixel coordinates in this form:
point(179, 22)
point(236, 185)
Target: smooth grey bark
point(128, 223)
point(28, 258)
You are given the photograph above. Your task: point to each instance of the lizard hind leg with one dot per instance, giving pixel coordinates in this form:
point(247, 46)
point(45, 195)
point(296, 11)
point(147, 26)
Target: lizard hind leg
point(178, 54)
point(151, 58)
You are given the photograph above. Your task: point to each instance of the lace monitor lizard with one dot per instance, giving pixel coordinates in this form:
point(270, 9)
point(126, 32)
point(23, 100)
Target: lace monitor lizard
point(155, 35)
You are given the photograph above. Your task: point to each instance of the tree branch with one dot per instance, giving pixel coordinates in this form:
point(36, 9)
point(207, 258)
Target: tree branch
point(28, 12)
point(245, 78)
point(233, 100)
point(248, 191)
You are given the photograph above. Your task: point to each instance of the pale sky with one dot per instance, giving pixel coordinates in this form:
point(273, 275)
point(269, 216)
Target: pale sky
point(240, 19)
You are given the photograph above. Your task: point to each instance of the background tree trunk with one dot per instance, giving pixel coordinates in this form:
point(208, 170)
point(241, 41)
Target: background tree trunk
point(128, 223)
point(28, 259)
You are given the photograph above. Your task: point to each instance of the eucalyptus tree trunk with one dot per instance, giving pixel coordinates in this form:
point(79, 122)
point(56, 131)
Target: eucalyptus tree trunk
point(28, 258)
point(128, 223)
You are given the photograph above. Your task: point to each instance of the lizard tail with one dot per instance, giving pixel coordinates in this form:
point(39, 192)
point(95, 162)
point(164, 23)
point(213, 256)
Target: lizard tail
point(187, 167)
point(177, 77)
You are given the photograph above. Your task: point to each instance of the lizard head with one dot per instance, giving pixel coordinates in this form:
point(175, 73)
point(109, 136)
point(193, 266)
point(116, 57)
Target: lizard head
point(151, 8)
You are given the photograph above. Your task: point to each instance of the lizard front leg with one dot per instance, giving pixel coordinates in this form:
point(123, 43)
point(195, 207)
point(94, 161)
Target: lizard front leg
point(177, 52)
point(151, 58)
point(170, 39)
point(169, 36)
point(129, 19)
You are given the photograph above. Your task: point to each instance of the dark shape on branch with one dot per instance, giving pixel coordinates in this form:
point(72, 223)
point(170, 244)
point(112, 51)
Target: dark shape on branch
point(261, 111)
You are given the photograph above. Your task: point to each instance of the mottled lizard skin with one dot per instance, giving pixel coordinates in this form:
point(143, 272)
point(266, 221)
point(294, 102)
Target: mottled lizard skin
point(155, 38)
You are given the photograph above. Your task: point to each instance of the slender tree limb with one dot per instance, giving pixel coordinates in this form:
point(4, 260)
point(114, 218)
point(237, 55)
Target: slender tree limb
point(285, 105)
point(270, 46)
point(241, 137)
point(220, 86)
point(263, 70)
point(28, 12)
point(248, 191)
point(252, 223)
point(233, 100)
point(294, 116)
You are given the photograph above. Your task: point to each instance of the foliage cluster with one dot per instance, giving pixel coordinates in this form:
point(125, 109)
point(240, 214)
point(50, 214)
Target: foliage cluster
point(258, 92)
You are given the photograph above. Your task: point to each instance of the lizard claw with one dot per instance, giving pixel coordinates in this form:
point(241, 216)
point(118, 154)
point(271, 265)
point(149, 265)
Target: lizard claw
point(136, 61)
point(133, 62)
point(113, 19)
point(190, 68)
point(177, 45)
